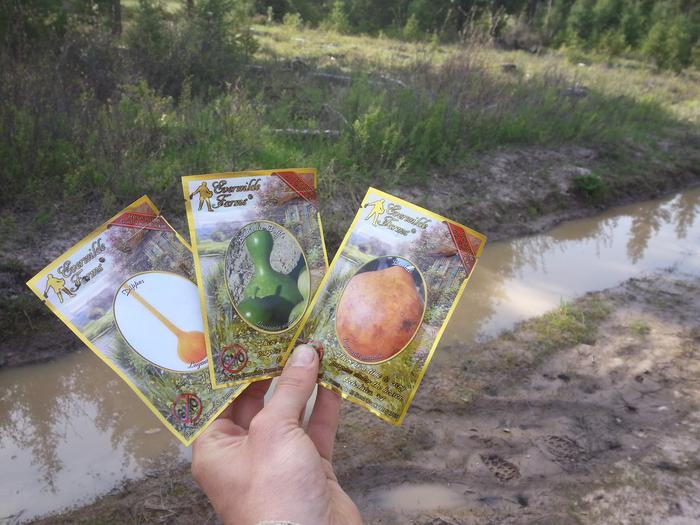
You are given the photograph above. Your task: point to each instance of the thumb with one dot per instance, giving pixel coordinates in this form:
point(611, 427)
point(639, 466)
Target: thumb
point(295, 385)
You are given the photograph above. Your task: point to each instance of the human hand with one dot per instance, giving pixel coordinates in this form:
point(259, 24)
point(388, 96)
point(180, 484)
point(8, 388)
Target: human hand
point(258, 464)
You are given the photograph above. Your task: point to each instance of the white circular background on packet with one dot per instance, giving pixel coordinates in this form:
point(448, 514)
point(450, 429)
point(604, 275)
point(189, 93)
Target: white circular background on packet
point(176, 298)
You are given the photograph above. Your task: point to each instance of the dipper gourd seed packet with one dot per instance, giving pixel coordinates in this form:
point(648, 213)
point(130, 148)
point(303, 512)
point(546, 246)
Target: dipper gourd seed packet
point(384, 303)
point(259, 257)
point(128, 291)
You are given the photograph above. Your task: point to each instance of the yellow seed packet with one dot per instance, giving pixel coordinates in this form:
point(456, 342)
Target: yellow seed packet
point(259, 257)
point(384, 303)
point(128, 291)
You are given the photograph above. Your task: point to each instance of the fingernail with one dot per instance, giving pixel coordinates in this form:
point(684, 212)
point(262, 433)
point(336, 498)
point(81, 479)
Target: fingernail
point(303, 355)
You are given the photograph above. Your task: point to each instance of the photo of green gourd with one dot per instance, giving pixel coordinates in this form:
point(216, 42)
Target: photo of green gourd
point(272, 300)
point(303, 283)
point(265, 312)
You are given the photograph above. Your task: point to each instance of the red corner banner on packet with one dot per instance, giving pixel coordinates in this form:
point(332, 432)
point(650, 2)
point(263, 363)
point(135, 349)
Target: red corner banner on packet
point(384, 303)
point(127, 291)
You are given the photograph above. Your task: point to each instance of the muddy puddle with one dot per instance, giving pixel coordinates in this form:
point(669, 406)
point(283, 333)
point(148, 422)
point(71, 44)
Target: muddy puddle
point(526, 277)
point(70, 430)
point(416, 497)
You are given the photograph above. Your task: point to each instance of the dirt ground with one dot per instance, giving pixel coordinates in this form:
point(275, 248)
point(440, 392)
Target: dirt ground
point(590, 414)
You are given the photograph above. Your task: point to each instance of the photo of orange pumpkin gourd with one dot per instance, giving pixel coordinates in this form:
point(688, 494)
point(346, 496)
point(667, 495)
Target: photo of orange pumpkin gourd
point(379, 314)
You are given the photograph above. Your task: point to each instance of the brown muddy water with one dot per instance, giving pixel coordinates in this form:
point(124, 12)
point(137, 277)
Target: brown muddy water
point(71, 431)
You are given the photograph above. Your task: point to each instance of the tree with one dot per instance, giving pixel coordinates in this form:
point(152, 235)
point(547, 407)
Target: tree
point(632, 26)
point(654, 46)
point(581, 22)
point(116, 17)
point(608, 14)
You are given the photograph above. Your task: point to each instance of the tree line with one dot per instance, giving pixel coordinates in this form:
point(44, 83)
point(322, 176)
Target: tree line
point(666, 32)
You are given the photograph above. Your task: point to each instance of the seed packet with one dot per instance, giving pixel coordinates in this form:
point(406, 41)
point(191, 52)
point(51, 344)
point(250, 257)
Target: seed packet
point(128, 291)
point(259, 256)
point(384, 303)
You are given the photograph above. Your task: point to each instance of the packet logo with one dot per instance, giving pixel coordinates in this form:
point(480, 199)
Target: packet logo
point(205, 195)
point(391, 216)
point(376, 212)
point(58, 286)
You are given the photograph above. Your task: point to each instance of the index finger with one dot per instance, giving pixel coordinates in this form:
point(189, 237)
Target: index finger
point(323, 423)
point(249, 403)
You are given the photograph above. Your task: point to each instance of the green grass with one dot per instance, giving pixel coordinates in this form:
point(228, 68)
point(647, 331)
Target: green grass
point(567, 326)
point(212, 247)
point(640, 328)
point(679, 93)
point(98, 326)
point(445, 105)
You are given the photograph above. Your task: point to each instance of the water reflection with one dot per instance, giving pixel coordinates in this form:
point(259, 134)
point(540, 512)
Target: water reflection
point(71, 430)
point(528, 276)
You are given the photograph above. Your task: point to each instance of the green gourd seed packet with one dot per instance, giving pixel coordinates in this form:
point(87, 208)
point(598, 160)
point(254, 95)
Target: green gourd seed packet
point(259, 257)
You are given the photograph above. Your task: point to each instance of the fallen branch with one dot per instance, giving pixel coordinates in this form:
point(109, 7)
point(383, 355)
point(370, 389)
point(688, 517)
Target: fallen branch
point(330, 133)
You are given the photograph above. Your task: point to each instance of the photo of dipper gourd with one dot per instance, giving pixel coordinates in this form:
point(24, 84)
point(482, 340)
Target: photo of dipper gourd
point(271, 299)
point(191, 347)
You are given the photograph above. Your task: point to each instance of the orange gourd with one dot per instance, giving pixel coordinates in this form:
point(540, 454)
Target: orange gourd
point(378, 314)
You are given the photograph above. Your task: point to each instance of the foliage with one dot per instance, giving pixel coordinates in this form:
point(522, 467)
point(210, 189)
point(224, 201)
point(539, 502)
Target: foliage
point(590, 186)
point(411, 31)
point(202, 48)
point(567, 326)
point(104, 119)
point(337, 19)
point(293, 20)
point(608, 27)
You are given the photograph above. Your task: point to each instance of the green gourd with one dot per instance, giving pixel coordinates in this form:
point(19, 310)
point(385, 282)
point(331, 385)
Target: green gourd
point(265, 280)
point(303, 283)
point(270, 313)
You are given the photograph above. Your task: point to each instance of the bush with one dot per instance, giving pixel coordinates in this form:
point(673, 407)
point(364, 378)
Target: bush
point(338, 19)
point(30, 24)
point(581, 23)
point(679, 43)
point(591, 187)
point(293, 20)
point(632, 27)
point(655, 44)
point(411, 31)
point(206, 47)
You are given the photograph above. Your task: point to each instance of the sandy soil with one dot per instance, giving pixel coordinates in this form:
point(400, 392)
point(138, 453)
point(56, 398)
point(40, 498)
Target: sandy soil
point(592, 416)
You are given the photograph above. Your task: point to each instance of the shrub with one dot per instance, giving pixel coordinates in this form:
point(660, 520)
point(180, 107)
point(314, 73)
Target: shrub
point(338, 19)
point(411, 31)
point(293, 20)
point(581, 23)
point(679, 43)
point(591, 186)
point(207, 46)
point(632, 26)
point(654, 46)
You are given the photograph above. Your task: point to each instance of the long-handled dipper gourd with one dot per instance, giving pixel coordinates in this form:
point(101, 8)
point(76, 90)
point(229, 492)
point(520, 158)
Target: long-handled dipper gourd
point(191, 347)
point(270, 295)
